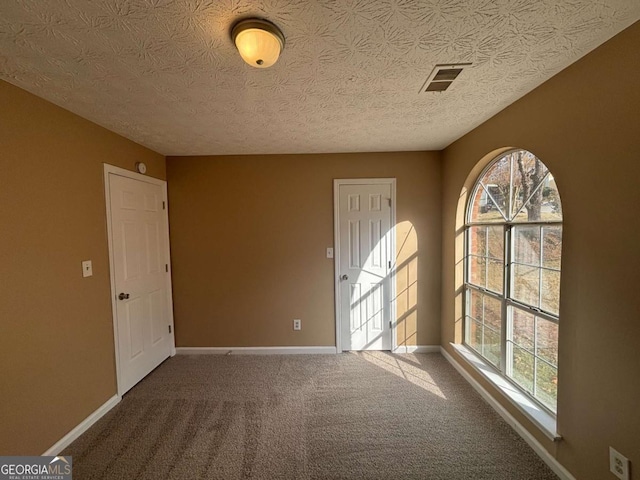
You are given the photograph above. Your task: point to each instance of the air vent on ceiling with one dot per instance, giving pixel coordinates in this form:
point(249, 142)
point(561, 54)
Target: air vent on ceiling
point(443, 76)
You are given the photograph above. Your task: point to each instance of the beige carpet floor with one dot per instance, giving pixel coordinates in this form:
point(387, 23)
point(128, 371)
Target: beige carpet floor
point(351, 416)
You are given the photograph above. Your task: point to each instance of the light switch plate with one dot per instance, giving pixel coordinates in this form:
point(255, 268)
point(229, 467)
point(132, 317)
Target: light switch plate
point(329, 252)
point(87, 268)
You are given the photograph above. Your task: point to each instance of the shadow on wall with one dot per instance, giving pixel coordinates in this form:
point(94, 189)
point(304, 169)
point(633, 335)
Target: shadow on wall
point(406, 278)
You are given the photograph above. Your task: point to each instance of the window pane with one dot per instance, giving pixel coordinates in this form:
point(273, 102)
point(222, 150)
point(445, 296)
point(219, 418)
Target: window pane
point(478, 241)
point(522, 372)
point(477, 271)
point(495, 273)
point(550, 291)
point(551, 208)
point(475, 304)
point(526, 284)
point(547, 340)
point(528, 174)
point(492, 346)
point(526, 243)
point(474, 334)
point(483, 208)
point(496, 242)
point(493, 312)
point(497, 183)
point(547, 384)
point(539, 210)
point(522, 330)
point(552, 246)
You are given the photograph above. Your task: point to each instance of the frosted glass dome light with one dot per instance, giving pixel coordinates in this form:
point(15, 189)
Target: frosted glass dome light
point(258, 41)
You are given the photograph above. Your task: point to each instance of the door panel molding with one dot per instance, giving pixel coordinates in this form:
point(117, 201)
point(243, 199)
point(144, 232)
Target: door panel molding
point(113, 170)
point(337, 183)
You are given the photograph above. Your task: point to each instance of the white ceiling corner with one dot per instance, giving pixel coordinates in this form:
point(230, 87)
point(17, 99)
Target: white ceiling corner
point(165, 73)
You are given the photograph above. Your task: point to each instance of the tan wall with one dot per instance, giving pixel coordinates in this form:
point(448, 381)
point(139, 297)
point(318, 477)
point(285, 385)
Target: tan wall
point(56, 336)
point(583, 124)
point(248, 241)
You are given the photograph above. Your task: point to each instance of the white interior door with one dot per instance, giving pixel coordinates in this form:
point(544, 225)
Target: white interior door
point(363, 265)
point(139, 259)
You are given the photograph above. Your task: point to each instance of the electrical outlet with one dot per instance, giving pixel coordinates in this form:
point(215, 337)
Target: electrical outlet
point(618, 464)
point(297, 324)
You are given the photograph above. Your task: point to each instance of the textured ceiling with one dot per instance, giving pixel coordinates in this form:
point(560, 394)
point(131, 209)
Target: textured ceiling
point(166, 74)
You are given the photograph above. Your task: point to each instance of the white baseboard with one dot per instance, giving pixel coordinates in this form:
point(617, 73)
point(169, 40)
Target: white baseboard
point(254, 350)
point(417, 349)
point(289, 350)
point(537, 447)
point(82, 427)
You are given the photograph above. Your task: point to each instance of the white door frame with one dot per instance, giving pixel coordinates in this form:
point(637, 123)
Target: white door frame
point(336, 258)
point(108, 170)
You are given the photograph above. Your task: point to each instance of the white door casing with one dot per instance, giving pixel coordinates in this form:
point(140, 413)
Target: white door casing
point(137, 223)
point(364, 242)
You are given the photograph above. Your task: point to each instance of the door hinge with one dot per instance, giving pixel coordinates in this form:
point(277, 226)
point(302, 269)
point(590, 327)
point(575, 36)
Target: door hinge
point(166, 267)
point(390, 324)
point(389, 201)
point(389, 263)
point(169, 328)
point(164, 205)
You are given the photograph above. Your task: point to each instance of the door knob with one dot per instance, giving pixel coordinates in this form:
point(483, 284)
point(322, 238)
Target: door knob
point(344, 277)
point(123, 296)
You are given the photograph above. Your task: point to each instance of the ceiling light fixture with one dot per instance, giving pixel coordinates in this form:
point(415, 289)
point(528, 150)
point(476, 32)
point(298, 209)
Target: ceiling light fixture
point(258, 41)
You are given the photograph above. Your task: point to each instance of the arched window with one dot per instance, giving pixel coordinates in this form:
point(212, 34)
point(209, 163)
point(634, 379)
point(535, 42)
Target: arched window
point(512, 277)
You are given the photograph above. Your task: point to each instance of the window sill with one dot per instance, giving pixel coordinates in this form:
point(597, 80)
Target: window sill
point(545, 421)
